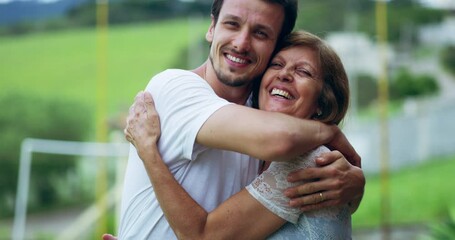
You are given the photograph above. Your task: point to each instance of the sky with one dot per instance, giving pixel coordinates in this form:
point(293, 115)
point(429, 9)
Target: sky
point(39, 1)
point(439, 3)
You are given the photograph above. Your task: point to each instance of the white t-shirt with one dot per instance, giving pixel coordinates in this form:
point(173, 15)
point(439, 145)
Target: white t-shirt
point(184, 101)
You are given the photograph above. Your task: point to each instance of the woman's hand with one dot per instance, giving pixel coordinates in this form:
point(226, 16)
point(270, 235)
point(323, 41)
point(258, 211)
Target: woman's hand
point(143, 123)
point(107, 236)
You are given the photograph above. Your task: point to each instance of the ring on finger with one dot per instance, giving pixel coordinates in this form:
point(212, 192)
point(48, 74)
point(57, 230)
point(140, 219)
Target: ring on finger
point(322, 197)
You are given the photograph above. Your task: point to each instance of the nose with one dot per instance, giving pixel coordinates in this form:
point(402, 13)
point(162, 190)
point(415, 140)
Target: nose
point(285, 75)
point(242, 41)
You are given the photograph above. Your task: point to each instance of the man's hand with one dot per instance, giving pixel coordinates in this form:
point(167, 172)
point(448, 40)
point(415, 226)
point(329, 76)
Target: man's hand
point(335, 182)
point(340, 142)
point(143, 123)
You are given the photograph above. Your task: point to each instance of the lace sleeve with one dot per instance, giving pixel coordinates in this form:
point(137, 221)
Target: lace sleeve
point(268, 187)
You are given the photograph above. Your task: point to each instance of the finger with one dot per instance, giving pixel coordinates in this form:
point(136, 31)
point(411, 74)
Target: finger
point(308, 199)
point(308, 188)
point(126, 133)
point(148, 97)
point(318, 206)
point(131, 109)
point(109, 237)
point(138, 95)
point(308, 174)
point(328, 158)
point(149, 106)
point(357, 161)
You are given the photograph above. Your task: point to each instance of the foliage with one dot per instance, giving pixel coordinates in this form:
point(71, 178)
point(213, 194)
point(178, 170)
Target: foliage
point(25, 116)
point(404, 16)
point(367, 90)
point(448, 59)
point(403, 85)
point(444, 230)
point(356, 15)
point(406, 84)
point(129, 11)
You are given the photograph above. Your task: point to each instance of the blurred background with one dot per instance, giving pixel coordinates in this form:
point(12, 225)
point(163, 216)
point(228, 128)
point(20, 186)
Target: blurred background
point(69, 70)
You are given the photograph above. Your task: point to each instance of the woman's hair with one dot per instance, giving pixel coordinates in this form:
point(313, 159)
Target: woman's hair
point(333, 101)
point(290, 8)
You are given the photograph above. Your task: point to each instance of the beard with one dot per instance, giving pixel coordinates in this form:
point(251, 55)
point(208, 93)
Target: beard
point(238, 81)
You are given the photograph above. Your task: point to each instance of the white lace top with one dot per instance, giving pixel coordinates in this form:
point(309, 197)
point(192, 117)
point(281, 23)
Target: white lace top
point(267, 188)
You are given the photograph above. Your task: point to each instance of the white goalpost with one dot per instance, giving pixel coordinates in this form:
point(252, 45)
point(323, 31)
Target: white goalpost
point(30, 146)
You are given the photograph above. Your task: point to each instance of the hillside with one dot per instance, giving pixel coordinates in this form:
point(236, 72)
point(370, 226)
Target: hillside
point(64, 64)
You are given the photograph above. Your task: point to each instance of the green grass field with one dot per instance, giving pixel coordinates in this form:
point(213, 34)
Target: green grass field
point(64, 64)
point(417, 194)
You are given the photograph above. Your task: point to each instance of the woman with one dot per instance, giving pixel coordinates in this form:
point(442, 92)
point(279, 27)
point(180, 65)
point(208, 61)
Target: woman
point(305, 79)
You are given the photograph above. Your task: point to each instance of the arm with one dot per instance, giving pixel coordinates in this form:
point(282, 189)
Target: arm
point(240, 217)
point(215, 126)
point(269, 135)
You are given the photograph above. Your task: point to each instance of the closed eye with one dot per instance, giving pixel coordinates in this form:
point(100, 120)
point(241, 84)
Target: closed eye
point(262, 34)
point(304, 72)
point(231, 24)
point(275, 65)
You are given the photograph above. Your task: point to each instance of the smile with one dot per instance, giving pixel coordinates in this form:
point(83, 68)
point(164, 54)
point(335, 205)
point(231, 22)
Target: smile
point(236, 59)
point(281, 93)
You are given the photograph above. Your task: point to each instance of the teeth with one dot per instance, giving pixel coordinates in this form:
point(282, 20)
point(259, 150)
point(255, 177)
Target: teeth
point(281, 93)
point(235, 59)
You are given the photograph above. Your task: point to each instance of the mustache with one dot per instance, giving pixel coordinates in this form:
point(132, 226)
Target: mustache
point(242, 54)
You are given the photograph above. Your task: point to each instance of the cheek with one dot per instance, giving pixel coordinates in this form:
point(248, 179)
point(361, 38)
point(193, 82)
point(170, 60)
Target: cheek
point(262, 99)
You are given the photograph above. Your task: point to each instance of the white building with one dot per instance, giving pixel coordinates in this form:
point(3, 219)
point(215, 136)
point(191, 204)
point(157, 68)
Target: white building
point(438, 34)
point(358, 53)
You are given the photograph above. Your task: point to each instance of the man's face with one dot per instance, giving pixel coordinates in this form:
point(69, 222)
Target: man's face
point(243, 39)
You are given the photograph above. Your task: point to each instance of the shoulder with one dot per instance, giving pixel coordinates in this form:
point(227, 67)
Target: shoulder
point(176, 79)
point(175, 74)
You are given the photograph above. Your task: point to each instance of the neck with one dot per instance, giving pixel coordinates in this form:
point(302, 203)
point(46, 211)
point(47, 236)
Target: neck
point(237, 95)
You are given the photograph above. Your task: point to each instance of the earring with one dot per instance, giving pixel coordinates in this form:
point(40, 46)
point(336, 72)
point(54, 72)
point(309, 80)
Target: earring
point(319, 112)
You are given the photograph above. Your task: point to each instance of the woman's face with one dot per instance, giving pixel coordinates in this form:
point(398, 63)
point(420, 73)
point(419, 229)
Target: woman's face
point(292, 83)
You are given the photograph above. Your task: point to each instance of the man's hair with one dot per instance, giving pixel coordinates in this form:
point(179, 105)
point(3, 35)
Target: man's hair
point(290, 14)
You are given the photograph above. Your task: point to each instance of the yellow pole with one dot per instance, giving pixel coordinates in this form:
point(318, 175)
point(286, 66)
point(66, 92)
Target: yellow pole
point(101, 113)
point(383, 94)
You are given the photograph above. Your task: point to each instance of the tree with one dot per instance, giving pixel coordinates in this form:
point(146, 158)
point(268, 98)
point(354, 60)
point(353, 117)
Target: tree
point(24, 116)
point(448, 59)
point(405, 84)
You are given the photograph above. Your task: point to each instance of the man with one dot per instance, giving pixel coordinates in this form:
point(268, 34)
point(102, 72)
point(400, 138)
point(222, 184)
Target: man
point(198, 120)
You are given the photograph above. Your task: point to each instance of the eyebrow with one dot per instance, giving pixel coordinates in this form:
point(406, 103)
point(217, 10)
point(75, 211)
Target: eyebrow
point(259, 26)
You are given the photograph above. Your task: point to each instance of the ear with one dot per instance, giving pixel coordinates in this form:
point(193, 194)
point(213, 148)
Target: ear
point(209, 34)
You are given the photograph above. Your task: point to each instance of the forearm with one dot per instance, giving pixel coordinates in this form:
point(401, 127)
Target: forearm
point(239, 217)
point(264, 135)
point(185, 216)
